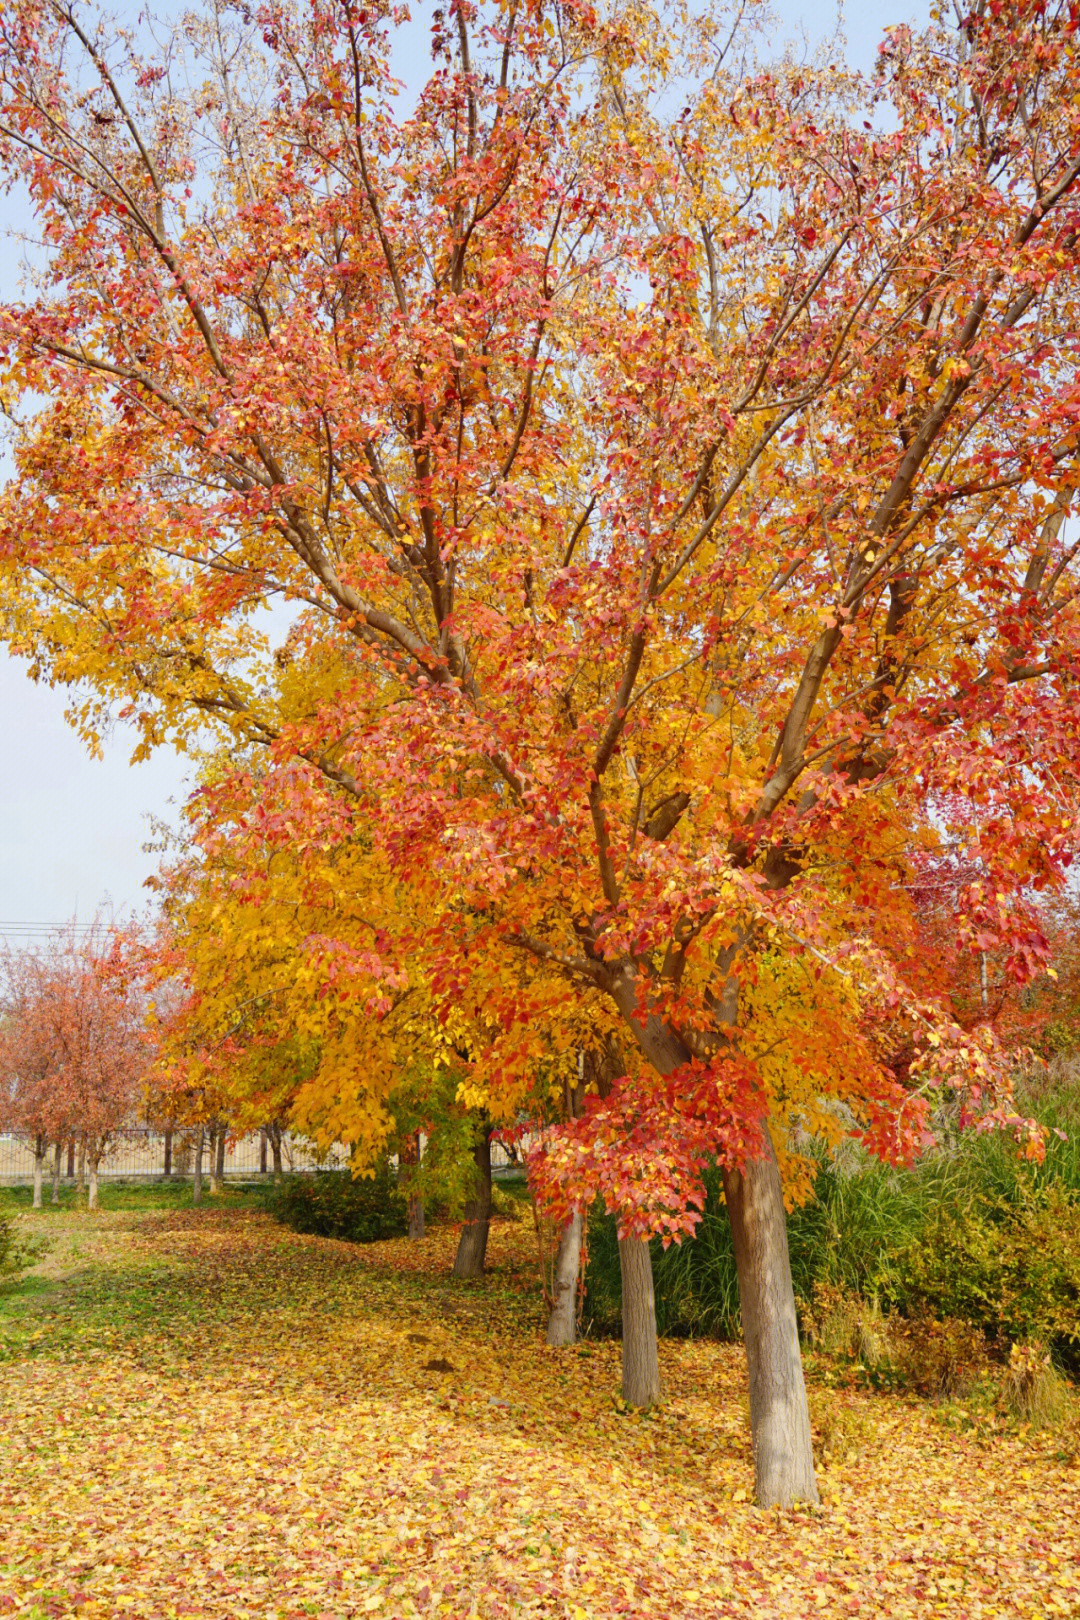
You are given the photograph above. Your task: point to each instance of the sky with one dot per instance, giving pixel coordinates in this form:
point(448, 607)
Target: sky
point(74, 829)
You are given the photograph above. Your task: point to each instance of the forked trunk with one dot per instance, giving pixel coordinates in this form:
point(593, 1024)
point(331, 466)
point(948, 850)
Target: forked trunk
point(779, 1417)
point(562, 1323)
point(58, 1155)
point(640, 1360)
point(472, 1245)
point(196, 1180)
point(274, 1133)
point(40, 1149)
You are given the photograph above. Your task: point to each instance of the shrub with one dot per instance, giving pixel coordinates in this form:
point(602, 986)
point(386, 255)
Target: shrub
point(938, 1358)
point(330, 1203)
point(1012, 1270)
point(1034, 1391)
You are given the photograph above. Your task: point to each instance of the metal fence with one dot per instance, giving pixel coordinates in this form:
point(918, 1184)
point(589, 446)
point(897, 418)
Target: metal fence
point(141, 1151)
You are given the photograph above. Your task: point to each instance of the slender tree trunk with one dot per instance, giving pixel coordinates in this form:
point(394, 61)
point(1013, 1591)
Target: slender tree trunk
point(262, 1152)
point(93, 1159)
point(58, 1156)
point(562, 1323)
point(196, 1184)
point(640, 1360)
point(274, 1133)
point(168, 1154)
point(80, 1183)
point(40, 1149)
point(407, 1159)
point(779, 1418)
point(71, 1159)
point(472, 1245)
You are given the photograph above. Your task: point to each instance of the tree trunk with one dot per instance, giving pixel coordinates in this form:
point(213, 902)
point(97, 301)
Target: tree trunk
point(472, 1245)
point(562, 1323)
point(168, 1153)
point(40, 1149)
point(262, 1152)
point(71, 1159)
point(779, 1417)
point(58, 1156)
point(93, 1159)
point(640, 1361)
point(80, 1183)
point(407, 1159)
point(196, 1183)
point(274, 1133)
point(211, 1158)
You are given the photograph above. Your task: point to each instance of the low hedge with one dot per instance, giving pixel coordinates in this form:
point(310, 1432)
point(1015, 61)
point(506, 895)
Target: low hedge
point(329, 1203)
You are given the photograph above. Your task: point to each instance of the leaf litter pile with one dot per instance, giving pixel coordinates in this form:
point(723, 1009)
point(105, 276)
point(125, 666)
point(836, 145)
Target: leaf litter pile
point(207, 1415)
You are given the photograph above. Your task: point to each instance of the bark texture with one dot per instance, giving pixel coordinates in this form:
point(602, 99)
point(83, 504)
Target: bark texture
point(472, 1245)
point(93, 1160)
point(40, 1148)
point(196, 1182)
point(640, 1360)
point(168, 1153)
point(58, 1155)
point(779, 1416)
point(562, 1323)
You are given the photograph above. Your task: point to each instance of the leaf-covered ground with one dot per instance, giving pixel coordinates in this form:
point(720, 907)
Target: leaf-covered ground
point(205, 1415)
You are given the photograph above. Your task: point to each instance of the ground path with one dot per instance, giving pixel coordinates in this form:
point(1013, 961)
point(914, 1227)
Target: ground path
point(205, 1415)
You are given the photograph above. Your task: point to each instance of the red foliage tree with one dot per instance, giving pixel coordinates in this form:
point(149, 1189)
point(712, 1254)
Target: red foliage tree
point(73, 1048)
point(676, 505)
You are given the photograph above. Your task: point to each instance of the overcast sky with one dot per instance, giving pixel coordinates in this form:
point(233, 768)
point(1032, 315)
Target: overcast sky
point(72, 828)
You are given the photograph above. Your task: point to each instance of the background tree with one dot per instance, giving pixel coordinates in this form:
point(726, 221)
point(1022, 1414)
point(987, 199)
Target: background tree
point(74, 1052)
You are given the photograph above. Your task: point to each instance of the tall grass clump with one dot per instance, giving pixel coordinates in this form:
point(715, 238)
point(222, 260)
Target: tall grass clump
point(973, 1234)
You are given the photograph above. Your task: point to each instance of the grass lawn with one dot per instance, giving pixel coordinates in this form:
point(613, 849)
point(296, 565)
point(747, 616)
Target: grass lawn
point(207, 1415)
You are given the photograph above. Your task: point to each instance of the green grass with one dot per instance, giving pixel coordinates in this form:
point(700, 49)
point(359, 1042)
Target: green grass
point(142, 1193)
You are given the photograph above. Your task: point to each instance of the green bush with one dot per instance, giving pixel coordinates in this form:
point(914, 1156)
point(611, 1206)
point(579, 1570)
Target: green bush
point(330, 1203)
point(1010, 1269)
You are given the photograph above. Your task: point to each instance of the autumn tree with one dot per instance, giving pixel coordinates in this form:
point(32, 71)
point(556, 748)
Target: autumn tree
point(668, 461)
point(73, 1047)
